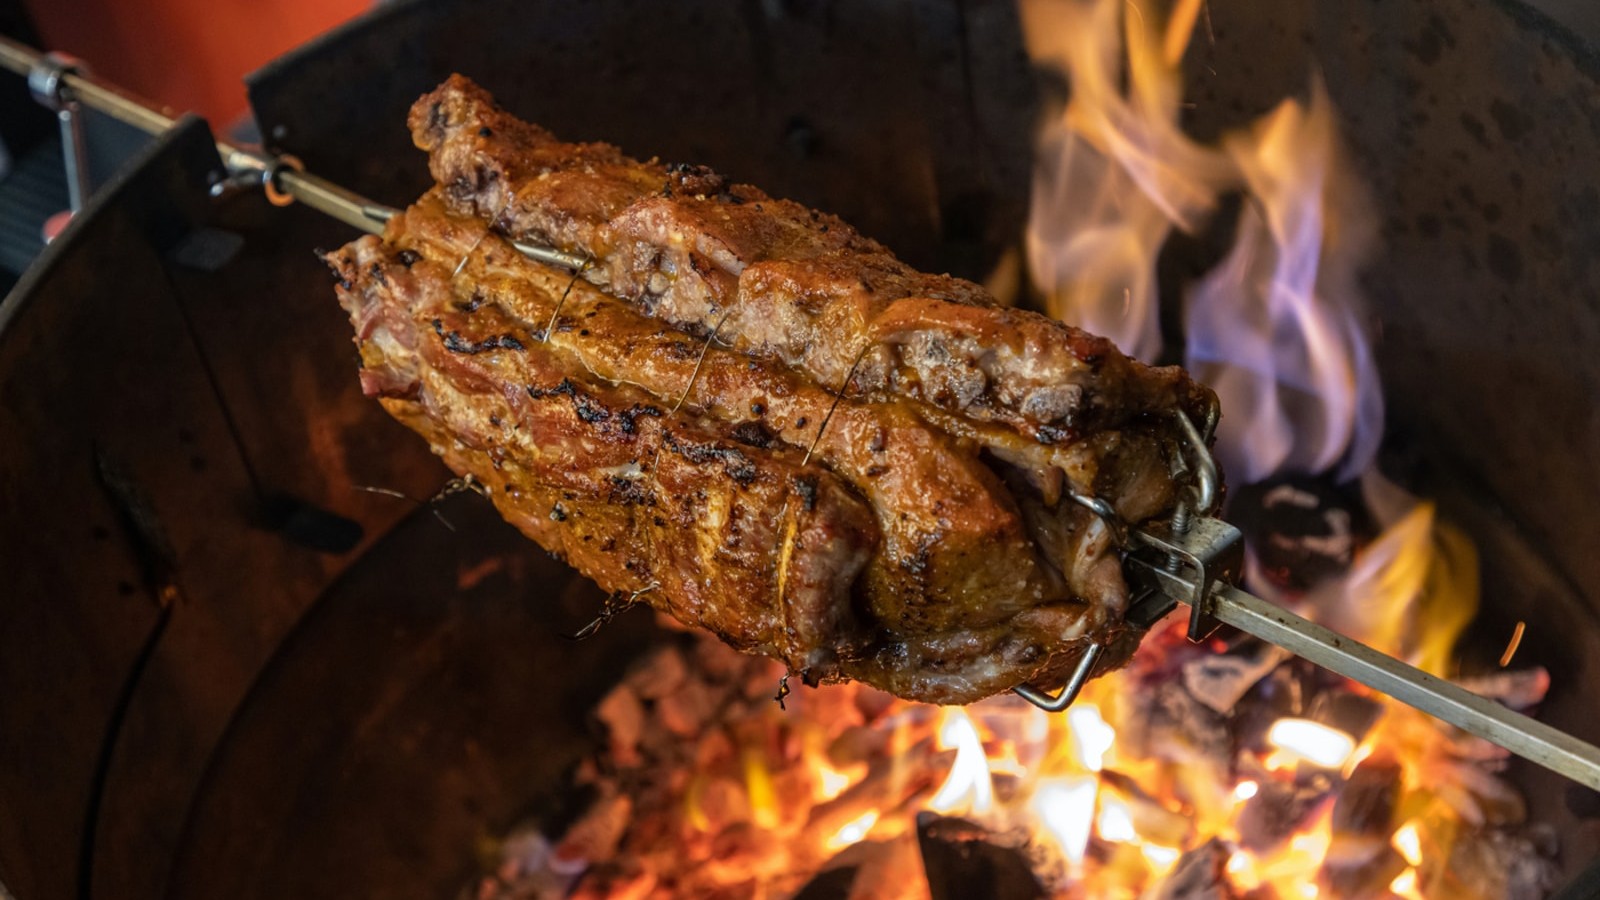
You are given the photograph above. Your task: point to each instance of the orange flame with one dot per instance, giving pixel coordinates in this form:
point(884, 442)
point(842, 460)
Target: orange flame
point(1114, 171)
point(1419, 570)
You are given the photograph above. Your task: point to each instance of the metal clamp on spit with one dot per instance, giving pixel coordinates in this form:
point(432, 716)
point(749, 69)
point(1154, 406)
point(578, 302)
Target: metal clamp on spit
point(1202, 551)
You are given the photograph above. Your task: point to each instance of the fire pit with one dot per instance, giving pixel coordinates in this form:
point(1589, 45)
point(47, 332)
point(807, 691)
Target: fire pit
point(384, 699)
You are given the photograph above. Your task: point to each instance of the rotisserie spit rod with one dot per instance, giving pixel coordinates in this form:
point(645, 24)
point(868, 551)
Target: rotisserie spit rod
point(1194, 562)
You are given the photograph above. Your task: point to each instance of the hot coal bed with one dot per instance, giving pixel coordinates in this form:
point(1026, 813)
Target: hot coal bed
point(244, 656)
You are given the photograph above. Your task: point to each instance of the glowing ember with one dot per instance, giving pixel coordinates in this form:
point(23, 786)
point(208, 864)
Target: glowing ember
point(969, 787)
point(830, 781)
point(1065, 807)
point(1091, 737)
point(1408, 843)
point(1245, 790)
point(1405, 885)
point(1302, 740)
point(1115, 823)
point(853, 831)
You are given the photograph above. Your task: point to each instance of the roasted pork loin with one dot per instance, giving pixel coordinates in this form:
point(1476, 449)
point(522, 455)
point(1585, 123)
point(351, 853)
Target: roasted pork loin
point(751, 417)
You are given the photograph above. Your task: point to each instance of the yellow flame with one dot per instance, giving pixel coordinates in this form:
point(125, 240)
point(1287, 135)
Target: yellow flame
point(830, 781)
point(1293, 868)
point(1409, 843)
point(968, 788)
point(1065, 809)
point(1405, 885)
point(758, 786)
point(1419, 570)
point(1160, 858)
point(1115, 822)
point(1241, 869)
point(1302, 740)
point(853, 831)
point(1091, 737)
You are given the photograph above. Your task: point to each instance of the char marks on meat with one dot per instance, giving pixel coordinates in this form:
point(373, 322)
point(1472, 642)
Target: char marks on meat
point(684, 432)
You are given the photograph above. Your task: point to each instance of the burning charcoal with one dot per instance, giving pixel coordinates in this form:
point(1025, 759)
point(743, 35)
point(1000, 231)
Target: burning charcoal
point(1220, 681)
point(623, 715)
point(1199, 875)
point(833, 704)
point(892, 873)
point(965, 860)
point(871, 870)
point(873, 703)
point(1174, 726)
point(1516, 688)
point(1279, 809)
point(830, 884)
point(1351, 713)
point(621, 880)
point(713, 748)
point(595, 836)
point(1303, 530)
point(1500, 863)
point(1480, 797)
point(1360, 861)
point(684, 712)
point(1152, 819)
point(740, 851)
point(718, 802)
point(888, 784)
point(857, 744)
point(658, 674)
point(1279, 694)
point(1366, 804)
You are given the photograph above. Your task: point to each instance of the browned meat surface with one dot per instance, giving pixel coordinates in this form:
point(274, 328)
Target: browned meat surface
point(781, 281)
point(887, 534)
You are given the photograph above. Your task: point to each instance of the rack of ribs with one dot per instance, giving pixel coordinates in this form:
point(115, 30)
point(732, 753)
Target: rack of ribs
point(749, 416)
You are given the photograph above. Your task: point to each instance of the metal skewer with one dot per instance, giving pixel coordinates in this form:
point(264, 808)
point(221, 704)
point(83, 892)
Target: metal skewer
point(1526, 737)
point(1191, 563)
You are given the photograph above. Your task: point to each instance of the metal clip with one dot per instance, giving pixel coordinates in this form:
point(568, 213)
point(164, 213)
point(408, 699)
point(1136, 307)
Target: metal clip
point(1069, 693)
point(246, 171)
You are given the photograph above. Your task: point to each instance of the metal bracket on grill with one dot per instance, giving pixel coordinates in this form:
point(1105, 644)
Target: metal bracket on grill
point(47, 81)
point(1209, 551)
